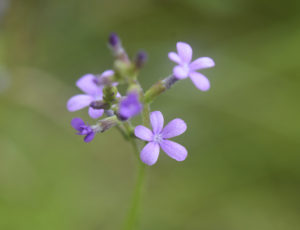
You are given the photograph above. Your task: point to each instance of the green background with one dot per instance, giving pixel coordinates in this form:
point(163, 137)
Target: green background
point(242, 171)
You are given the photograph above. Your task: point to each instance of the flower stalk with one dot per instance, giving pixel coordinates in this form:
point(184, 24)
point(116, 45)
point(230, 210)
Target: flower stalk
point(101, 96)
point(132, 216)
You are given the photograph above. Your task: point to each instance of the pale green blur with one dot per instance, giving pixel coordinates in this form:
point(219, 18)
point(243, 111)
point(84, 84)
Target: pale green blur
point(243, 168)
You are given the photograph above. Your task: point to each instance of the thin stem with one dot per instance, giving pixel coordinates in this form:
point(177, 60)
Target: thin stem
point(146, 115)
point(123, 132)
point(132, 217)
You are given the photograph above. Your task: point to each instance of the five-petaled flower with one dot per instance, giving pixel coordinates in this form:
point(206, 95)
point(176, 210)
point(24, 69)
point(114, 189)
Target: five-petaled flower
point(159, 136)
point(83, 129)
point(186, 68)
point(93, 92)
point(130, 106)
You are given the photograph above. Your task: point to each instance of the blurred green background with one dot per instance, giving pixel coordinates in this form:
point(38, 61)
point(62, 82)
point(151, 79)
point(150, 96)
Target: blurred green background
point(242, 171)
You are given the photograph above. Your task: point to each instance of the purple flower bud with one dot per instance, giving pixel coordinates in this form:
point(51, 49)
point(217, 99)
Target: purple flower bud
point(83, 129)
point(98, 104)
point(114, 39)
point(141, 59)
point(130, 106)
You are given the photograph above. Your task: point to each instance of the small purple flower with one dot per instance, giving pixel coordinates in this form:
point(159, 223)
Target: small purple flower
point(159, 136)
point(186, 68)
point(130, 106)
point(93, 92)
point(83, 129)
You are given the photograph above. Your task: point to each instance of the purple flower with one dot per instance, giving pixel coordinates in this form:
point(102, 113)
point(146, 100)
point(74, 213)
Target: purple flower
point(93, 92)
point(159, 136)
point(130, 106)
point(186, 68)
point(83, 129)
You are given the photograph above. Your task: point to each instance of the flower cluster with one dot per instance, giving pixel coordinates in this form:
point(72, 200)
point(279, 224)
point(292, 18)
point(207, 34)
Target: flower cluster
point(101, 96)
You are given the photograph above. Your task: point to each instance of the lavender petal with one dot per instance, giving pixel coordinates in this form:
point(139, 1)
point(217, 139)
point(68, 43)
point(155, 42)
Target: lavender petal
point(143, 133)
point(95, 113)
point(174, 150)
point(149, 153)
point(130, 106)
point(89, 137)
point(200, 81)
point(77, 123)
point(174, 57)
point(202, 63)
point(157, 121)
point(87, 84)
point(78, 102)
point(185, 51)
point(107, 73)
point(174, 128)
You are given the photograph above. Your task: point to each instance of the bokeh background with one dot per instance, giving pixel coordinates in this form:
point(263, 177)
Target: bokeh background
point(243, 135)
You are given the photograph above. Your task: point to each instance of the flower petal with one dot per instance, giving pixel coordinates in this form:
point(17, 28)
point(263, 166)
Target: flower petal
point(130, 106)
point(77, 123)
point(174, 128)
point(107, 73)
point(174, 150)
point(185, 51)
point(180, 72)
point(174, 57)
point(157, 121)
point(200, 81)
point(87, 84)
point(202, 63)
point(95, 113)
point(89, 137)
point(103, 79)
point(143, 133)
point(149, 153)
point(78, 102)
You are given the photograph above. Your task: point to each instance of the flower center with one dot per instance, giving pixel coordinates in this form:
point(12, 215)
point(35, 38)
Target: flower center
point(157, 138)
point(186, 67)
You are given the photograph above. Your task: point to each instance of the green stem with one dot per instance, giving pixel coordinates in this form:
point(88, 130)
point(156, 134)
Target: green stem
point(132, 217)
point(158, 88)
point(146, 115)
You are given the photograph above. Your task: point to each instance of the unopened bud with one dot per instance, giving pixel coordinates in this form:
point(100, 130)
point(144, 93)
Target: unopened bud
point(141, 59)
point(114, 40)
point(98, 104)
point(108, 122)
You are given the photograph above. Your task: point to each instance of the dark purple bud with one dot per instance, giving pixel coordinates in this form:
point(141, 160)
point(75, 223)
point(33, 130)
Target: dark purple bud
point(141, 59)
point(97, 104)
point(121, 117)
point(114, 39)
point(109, 113)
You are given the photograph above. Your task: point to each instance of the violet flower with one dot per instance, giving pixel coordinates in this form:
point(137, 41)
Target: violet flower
point(130, 106)
point(93, 92)
point(186, 68)
point(83, 129)
point(158, 138)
